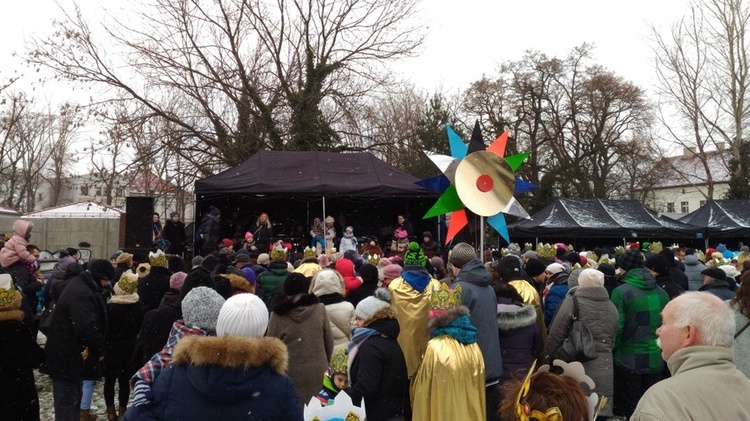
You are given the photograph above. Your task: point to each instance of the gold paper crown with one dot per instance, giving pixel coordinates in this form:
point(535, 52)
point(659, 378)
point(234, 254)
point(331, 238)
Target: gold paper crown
point(700, 255)
point(656, 247)
point(308, 252)
point(444, 298)
point(278, 254)
point(128, 282)
point(546, 250)
point(374, 259)
point(619, 250)
point(157, 259)
point(674, 246)
point(339, 361)
point(528, 246)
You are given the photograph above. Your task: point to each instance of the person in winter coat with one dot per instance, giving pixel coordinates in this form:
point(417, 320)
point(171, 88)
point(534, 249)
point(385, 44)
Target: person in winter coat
point(715, 283)
point(330, 233)
point(309, 267)
point(174, 232)
point(740, 306)
point(430, 247)
point(262, 230)
point(658, 264)
point(676, 269)
point(693, 269)
point(371, 248)
point(125, 316)
point(449, 384)
point(56, 284)
point(152, 287)
point(638, 363)
point(75, 341)
point(20, 356)
point(301, 322)
point(272, 280)
point(601, 317)
point(124, 262)
point(351, 281)
point(520, 336)
point(555, 291)
point(695, 337)
point(509, 269)
point(327, 285)
point(200, 309)
point(369, 275)
point(479, 297)
point(239, 374)
point(14, 249)
point(377, 368)
point(348, 241)
point(211, 227)
point(157, 324)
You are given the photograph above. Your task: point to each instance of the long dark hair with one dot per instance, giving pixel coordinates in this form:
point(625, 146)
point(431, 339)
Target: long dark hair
point(742, 298)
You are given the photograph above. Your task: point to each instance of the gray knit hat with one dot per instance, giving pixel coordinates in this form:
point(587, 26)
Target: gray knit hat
point(371, 305)
point(197, 260)
point(200, 308)
point(461, 254)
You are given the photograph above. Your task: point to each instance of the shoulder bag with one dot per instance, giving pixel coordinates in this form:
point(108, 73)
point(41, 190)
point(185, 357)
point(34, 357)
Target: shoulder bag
point(579, 345)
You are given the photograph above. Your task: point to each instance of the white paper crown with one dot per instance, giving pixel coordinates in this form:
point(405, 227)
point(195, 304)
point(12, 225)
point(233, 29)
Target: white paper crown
point(342, 409)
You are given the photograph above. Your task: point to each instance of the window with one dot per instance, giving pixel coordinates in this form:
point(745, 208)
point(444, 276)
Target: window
point(684, 207)
point(702, 203)
point(85, 190)
point(670, 207)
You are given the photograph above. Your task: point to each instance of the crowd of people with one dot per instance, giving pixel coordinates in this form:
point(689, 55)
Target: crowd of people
point(246, 333)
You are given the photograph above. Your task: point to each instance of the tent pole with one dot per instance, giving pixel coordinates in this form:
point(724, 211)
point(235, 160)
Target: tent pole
point(481, 237)
point(706, 244)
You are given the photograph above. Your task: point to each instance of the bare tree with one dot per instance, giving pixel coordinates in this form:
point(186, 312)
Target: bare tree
point(61, 155)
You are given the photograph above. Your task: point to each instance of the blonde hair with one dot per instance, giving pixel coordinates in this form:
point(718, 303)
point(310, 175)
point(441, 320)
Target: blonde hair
point(268, 220)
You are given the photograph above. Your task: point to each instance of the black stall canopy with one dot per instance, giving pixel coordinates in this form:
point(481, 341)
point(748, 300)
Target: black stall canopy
point(721, 218)
point(599, 218)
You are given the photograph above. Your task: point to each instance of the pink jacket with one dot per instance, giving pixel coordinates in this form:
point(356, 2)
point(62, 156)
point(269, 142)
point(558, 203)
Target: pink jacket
point(15, 248)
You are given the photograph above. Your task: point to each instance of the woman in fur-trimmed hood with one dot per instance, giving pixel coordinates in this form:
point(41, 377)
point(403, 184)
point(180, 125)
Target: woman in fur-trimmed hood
point(521, 339)
point(377, 368)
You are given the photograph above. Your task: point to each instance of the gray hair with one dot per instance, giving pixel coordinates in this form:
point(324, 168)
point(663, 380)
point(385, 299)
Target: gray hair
point(709, 315)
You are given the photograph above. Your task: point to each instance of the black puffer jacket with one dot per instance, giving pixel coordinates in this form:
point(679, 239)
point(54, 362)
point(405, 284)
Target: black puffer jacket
point(78, 323)
point(378, 372)
point(369, 275)
point(152, 287)
point(520, 337)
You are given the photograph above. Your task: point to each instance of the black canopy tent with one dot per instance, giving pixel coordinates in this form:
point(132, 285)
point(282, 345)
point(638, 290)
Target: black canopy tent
point(294, 187)
point(599, 218)
point(721, 219)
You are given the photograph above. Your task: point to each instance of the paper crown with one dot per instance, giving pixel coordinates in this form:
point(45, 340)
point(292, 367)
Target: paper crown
point(674, 246)
point(528, 246)
point(342, 409)
point(444, 298)
point(619, 250)
point(339, 361)
point(128, 282)
point(278, 253)
point(546, 250)
point(374, 259)
point(656, 247)
point(157, 259)
point(308, 252)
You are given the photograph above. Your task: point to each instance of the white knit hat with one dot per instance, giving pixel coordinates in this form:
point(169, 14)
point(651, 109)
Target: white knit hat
point(591, 278)
point(371, 305)
point(243, 315)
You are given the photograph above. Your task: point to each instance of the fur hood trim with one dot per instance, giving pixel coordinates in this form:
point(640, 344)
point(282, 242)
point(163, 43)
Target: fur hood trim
point(447, 317)
point(383, 313)
point(232, 352)
point(239, 282)
point(510, 316)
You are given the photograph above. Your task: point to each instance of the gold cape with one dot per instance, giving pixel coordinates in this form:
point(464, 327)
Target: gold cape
point(411, 312)
point(449, 384)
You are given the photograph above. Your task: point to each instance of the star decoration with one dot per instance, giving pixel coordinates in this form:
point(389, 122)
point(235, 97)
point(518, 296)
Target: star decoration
point(479, 178)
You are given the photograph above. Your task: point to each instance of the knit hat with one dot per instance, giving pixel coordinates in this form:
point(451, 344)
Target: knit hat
point(529, 254)
point(371, 305)
point(143, 270)
point(631, 259)
point(249, 275)
point(535, 267)
point(437, 262)
point(248, 235)
point(329, 219)
point(324, 261)
point(715, 273)
point(509, 268)
point(64, 262)
point(264, 259)
point(127, 284)
point(461, 254)
point(401, 234)
point(100, 268)
point(123, 258)
point(176, 280)
point(573, 277)
point(243, 315)
point(392, 271)
point(227, 242)
point(745, 249)
point(295, 283)
point(214, 210)
point(659, 263)
point(173, 214)
point(729, 270)
point(200, 308)
point(555, 268)
point(158, 259)
point(241, 258)
point(197, 260)
point(115, 255)
point(590, 278)
point(349, 228)
point(369, 274)
point(415, 255)
point(427, 234)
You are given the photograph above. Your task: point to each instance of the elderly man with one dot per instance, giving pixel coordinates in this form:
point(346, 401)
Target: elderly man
point(714, 281)
point(696, 341)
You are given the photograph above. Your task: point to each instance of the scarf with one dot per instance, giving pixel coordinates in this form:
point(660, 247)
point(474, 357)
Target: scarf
point(460, 329)
point(124, 299)
point(359, 336)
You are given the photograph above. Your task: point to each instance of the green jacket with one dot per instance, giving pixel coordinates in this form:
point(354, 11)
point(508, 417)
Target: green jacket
point(273, 277)
point(639, 301)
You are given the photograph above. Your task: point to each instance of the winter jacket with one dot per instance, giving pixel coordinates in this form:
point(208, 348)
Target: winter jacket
point(273, 277)
point(639, 302)
point(154, 329)
point(705, 385)
point(557, 289)
point(679, 277)
point(302, 324)
point(262, 234)
point(14, 249)
point(124, 322)
point(348, 242)
point(670, 286)
point(531, 297)
point(693, 269)
point(378, 371)
point(346, 268)
point(26, 282)
point(212, 231)
point(152, 287)
point(479, 297)
point(520, 337)
point(78, 325)
point(227, 378)
point(718, 288)
point(601, 317)
point(368, 249)
point(174, 232)
point(369, 275)
point(20, 356)
point(741, 344)
point(340, 312)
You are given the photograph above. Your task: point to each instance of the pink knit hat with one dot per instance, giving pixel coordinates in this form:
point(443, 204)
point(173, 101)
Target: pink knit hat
point(392, 271)
point(176, 280)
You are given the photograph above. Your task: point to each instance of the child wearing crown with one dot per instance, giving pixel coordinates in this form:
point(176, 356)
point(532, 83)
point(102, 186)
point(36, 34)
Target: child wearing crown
point(335, 378)
point(449, 384)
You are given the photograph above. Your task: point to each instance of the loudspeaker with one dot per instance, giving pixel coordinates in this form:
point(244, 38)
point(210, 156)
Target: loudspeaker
point(139, 213)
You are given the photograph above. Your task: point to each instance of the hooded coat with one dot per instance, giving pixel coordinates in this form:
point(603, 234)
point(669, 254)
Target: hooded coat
point(124, 323)
point(479, 297)
point(369, 275)
point(226, 378)
point(152, 287)
point(557, 289)
point(520, 337)
point(14, 249)
point(693, 269)
point(301, 323)
point(639, 303)
point(327, 286)
point(351, 281)
point(378, 370)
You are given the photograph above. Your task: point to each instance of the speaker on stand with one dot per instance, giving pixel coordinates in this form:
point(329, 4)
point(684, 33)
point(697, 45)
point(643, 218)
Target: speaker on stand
point(138, 222)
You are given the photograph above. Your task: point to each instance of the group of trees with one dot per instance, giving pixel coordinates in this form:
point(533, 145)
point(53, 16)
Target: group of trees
point(191, 87)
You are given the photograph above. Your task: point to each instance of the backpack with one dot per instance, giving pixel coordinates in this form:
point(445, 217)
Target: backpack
point(200, 233)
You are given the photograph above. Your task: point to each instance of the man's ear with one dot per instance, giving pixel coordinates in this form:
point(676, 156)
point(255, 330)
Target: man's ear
point(692, 336)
